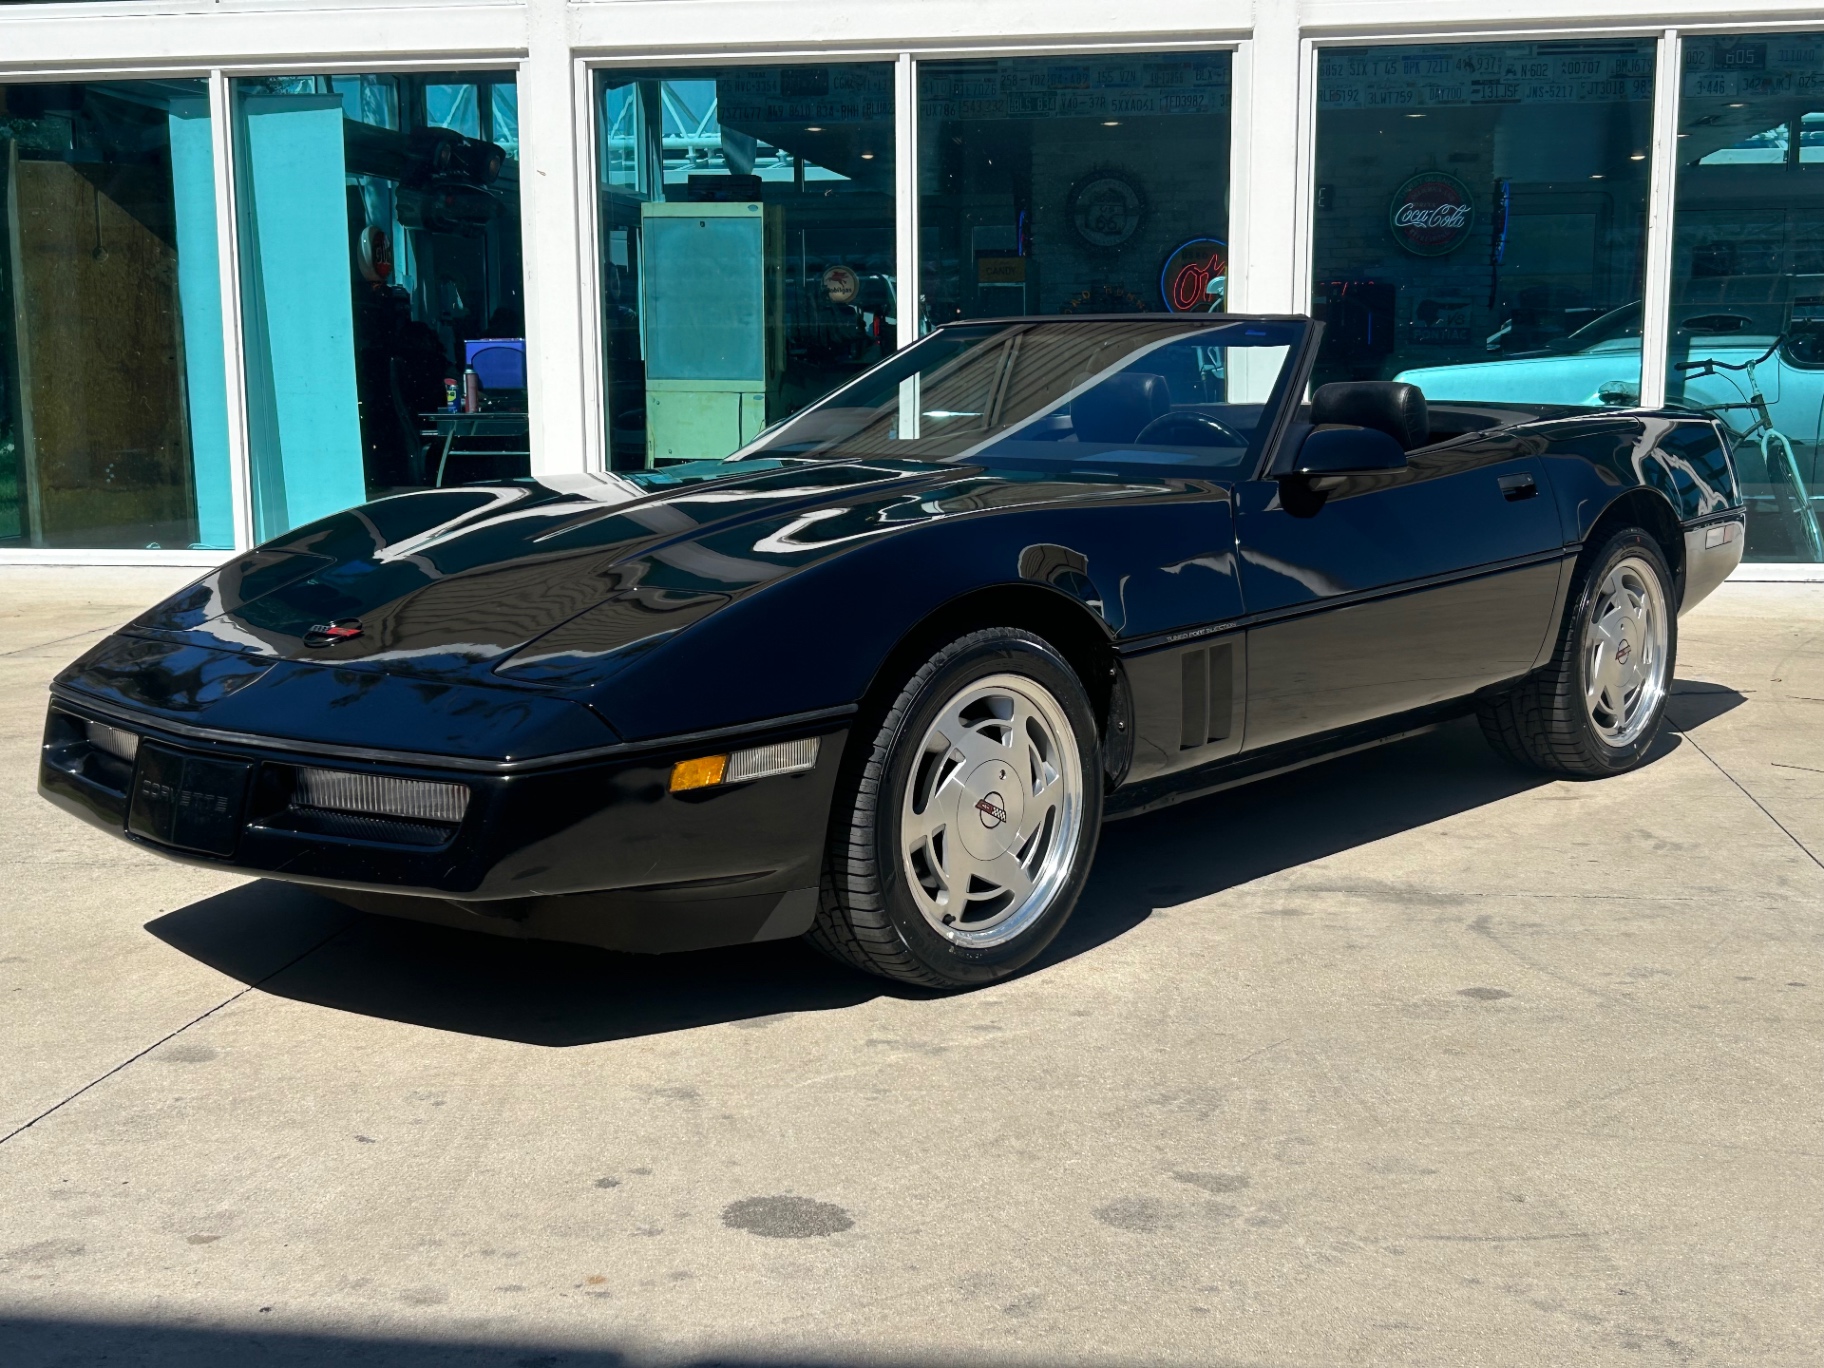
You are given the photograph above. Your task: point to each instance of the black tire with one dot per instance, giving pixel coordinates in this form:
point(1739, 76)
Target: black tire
point(1544, 722)
point(868, 916)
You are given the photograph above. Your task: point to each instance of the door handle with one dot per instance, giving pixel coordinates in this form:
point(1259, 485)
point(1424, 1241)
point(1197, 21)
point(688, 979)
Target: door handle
point(1514, 488)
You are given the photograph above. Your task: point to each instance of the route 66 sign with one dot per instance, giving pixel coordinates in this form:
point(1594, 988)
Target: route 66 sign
point(1432, 214)
point(1105, 210)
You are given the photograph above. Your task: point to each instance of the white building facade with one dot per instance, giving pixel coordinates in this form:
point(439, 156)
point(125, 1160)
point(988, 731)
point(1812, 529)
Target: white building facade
point(264, 259)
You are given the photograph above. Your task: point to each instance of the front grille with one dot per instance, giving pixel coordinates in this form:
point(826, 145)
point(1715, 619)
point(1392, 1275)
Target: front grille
point(355, 826)
point(200, 799)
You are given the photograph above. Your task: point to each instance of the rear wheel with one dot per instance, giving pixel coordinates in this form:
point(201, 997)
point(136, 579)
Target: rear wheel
point(1596, 708)
point(962, 840)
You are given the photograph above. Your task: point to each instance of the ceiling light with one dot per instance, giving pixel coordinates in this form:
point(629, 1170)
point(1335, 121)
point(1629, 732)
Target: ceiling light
point(1597, 176)
point(1415, 116)
point(814, 128)
point(1738, 105)
point(1111, 123)
point(1637, 156)
point(867, 156)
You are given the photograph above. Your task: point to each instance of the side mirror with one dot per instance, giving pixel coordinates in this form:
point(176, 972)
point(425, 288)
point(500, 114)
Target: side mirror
point(1348, 451)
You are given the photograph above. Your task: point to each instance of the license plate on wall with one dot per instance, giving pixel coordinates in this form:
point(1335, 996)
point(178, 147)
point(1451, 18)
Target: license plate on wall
point(191, 801)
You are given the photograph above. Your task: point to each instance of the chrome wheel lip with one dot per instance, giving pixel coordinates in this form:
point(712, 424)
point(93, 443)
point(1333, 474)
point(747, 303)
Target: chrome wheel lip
point(1029, 834)
point(1626, 651)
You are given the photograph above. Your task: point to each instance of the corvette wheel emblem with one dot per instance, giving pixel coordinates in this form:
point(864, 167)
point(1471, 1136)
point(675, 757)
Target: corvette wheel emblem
point(1622, 652)
point(993, 812)
point(329, 633)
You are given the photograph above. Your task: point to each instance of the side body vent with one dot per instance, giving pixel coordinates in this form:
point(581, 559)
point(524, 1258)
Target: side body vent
point(1190, 705)
point(1208, 695)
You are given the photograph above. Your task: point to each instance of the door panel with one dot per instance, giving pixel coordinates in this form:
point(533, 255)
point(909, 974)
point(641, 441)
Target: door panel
point(1373, 572)
point(1352, 664)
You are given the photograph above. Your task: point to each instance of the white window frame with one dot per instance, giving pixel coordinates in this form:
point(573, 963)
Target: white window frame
point(1658, 228)
point(48, 43)
point(555, 46)
point(905, 60)
point(1662, 196)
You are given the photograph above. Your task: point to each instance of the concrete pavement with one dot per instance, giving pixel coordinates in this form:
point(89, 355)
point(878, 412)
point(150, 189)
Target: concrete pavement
point(1409, 1059)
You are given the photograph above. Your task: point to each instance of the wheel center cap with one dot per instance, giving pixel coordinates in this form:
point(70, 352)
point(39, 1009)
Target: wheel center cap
point(1624, 649)
point(992, 809)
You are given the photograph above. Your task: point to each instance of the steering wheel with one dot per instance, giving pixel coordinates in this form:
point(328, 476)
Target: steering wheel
point(1188, 427)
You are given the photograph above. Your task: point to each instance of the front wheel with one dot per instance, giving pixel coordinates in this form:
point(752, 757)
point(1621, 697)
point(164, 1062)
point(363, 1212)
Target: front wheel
point(1596, 708)
point(961, 842)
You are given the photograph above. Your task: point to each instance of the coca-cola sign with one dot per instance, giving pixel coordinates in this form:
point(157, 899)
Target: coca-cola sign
point(1432, 214)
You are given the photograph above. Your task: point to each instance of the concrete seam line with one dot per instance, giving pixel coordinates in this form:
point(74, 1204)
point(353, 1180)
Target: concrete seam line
point(58, 641)
point(123, 1064)
point(233, 998)
point(1749, 796)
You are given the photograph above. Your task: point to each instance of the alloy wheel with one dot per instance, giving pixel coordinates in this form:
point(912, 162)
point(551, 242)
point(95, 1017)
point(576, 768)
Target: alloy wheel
point(1625, 651)
point(993, 810)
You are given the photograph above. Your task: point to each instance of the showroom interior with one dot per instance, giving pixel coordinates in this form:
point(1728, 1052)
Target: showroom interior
point(297, 262)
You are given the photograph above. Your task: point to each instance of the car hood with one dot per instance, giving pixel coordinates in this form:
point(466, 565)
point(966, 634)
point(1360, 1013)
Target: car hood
point(508, 584)
point(448, 584)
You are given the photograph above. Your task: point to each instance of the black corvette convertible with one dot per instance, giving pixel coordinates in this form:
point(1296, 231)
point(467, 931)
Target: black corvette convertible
point(879, 677)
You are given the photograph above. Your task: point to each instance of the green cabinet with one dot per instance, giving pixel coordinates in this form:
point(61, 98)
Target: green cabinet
point(713, 316)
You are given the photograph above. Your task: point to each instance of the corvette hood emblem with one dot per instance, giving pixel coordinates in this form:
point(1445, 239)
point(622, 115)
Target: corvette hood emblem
point(329, 633)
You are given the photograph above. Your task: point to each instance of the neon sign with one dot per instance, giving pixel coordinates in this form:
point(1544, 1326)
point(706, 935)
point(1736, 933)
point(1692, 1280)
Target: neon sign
point(1432, 214)
point(1195, 277)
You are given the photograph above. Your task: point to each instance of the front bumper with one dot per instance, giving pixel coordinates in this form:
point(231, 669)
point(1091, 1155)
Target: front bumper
point(593, 847)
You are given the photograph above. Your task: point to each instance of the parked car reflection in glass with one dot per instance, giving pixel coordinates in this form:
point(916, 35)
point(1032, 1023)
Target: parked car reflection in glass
point(1599, 365)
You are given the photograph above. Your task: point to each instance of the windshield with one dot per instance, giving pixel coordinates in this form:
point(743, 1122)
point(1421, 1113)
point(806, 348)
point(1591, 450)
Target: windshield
point(1101, 392)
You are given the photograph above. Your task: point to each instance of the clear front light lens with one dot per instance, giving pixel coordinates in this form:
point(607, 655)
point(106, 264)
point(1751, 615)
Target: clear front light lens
point(123, 745)
point(380, 795)
point(763, 762)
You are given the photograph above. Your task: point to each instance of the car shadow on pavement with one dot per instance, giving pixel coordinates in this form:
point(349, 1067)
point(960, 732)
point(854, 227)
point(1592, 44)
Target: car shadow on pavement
point(1695, 702)
point(537, 992)
point(293, 943)
point(43, 1341)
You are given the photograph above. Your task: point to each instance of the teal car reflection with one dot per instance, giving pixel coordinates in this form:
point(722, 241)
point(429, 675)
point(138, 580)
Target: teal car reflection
point(1723, 365)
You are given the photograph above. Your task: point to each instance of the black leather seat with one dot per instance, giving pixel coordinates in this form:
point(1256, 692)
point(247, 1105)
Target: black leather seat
point(1386, 405)
point(1116, 409)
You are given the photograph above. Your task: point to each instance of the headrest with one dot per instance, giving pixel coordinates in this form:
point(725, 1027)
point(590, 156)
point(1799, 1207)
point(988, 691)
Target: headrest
point(1385, 405)
point(1116, 409)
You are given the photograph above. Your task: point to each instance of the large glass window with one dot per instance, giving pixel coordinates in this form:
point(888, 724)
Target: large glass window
point(113, 419)
point(1073, 185)
point(1747, 338)
point(1480, 217)
point(747, 230)
point(382, 286)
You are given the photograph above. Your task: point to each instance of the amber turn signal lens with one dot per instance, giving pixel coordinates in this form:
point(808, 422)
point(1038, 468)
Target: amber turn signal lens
point(702, 772)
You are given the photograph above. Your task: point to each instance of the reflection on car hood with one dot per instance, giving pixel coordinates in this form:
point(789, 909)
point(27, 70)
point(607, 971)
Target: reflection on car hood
point(451, 584)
